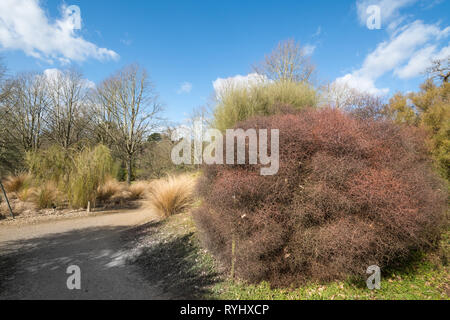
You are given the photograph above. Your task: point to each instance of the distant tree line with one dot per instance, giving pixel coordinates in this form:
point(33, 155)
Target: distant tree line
point(38, 110)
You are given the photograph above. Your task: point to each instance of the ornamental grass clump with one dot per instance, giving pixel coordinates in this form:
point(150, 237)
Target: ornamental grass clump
point(171, 195)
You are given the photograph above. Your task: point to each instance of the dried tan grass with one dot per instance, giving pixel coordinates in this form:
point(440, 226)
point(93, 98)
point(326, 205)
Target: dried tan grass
point(47, 196)
point(113, 192)
point(171, 195)
point(15, 184)
point(18, 207)
point(26, 193)
point(108, 190)
point(138, 189)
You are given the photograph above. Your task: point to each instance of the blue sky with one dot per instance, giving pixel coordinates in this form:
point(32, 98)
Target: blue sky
point(186, 45)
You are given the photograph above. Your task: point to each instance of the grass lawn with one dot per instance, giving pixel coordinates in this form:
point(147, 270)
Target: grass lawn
point(425, 278)
point(423, 282)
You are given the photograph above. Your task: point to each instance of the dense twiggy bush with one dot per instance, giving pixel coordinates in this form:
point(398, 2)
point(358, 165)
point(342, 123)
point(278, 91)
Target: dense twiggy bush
point(349, 193)
point(238, 104)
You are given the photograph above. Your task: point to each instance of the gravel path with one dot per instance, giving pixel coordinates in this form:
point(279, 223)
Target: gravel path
point(34, 259)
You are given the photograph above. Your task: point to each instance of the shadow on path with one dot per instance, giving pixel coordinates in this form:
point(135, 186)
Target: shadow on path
point(36, 268)
point(172, 262)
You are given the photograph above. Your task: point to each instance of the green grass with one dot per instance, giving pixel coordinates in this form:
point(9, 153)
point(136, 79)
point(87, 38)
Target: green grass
point(425, 278)
point(425, 282)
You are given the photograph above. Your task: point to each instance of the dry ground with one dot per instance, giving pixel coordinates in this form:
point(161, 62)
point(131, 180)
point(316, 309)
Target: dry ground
point(34, 258)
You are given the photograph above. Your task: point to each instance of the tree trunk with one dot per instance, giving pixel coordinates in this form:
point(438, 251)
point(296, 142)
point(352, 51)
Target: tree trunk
point(129, 169)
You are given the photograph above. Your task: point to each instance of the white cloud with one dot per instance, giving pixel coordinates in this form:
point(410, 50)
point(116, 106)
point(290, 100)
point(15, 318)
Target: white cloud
point(418, 63)
point(407, 53)
point(421, 61)
point(25, 26)
point(54, 74)
point(361, 83)
point(185, 87)
point(221, 85)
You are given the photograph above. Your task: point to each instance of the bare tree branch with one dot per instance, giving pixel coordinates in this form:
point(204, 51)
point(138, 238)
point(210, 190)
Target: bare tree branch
point(67, 115)
point(440, 69)
point(26, 102)
point(128, 109)
point(287, 62)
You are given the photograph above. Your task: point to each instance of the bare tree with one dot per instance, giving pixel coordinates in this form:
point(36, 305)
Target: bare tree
point(10, 151)
point(2, 75)
point(368, 106)
point(361, 104)
point(287, 62)
point(68, 113)
point(338, 95)
point(4, 86)
point(128, 110)
point(440, 69)
point(26, 103)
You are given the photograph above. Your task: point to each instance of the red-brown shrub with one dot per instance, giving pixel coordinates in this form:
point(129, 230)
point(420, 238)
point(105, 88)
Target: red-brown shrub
point(349, 193)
